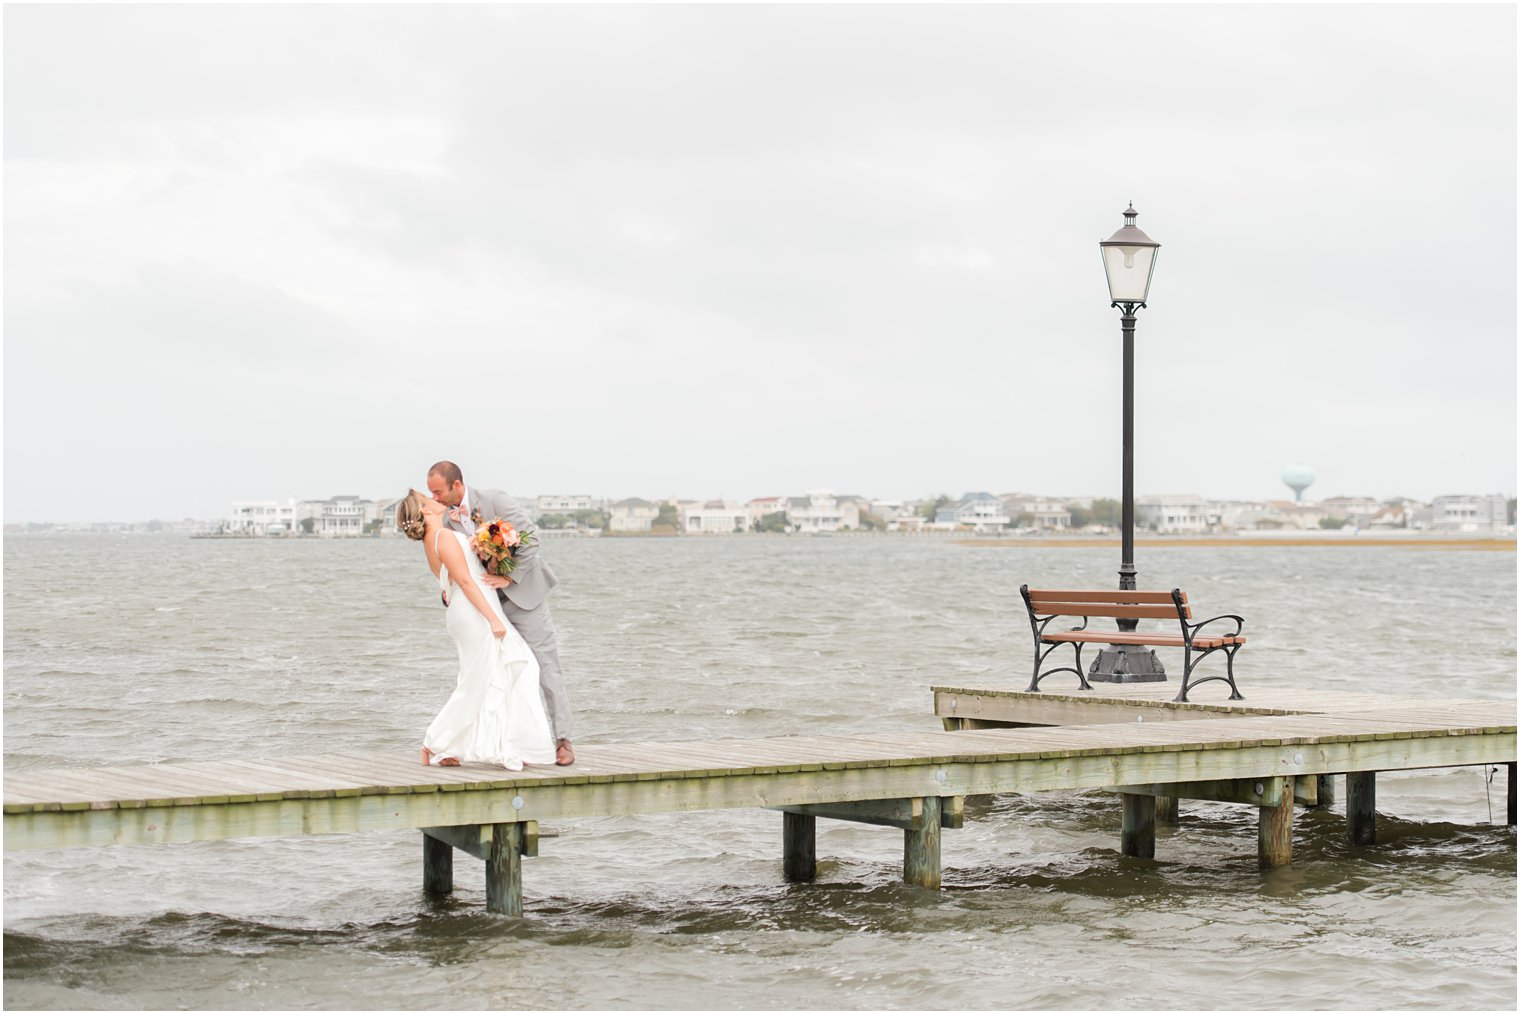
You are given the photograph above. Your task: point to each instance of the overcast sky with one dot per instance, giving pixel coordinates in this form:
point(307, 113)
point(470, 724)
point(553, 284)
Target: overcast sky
point(271, 251)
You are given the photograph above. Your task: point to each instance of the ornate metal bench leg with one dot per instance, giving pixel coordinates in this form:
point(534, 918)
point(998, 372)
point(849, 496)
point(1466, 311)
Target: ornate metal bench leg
point(1229, 668)
point(1187, 674)
point(1034, 684)
point(1082, 676)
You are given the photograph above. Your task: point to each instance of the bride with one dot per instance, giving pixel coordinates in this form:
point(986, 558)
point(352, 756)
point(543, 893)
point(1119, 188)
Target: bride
point(495, 715)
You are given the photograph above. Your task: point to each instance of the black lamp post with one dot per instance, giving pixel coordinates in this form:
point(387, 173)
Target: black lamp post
point(1129, 258)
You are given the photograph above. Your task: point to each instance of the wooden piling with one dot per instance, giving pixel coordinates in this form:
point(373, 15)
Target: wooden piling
point(799, 849)
point(921, 848)
point(1324, 790)
point(1509, 810)
point(504, 870)
point(1361, 807)
point(1137, 834)
point(1167, 812)
point(1274, 830)
point(437, 865)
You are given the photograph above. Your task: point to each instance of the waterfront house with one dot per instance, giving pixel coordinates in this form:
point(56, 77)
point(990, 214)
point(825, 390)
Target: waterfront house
point(339, 516)
point(714, 517)
point(979, 510)
point(1240, 514)
point(1173, 513)
point(1470, 513)
point(861, 505)
point(383, 514)
point(821, 511)
point(565, 503)
point(632, 515)
point(261, 517)
point(1358, 510)
point(1043, 512)
point(1287, 515)
point(761, 506)
point(1394, 515)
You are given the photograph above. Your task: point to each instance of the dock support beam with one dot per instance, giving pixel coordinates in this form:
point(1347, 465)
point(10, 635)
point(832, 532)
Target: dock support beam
point(504, 870)
point(1274, 830)
point(1324, 790)
point(799, 847)
point(1509, 809)
point(1361, 807)
point(1137, 831)
point(437, 866)
point(1167, 814)
point(921, 856)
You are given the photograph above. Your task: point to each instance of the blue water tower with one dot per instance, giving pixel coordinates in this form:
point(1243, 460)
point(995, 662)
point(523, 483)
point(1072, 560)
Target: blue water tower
point(1298, 479)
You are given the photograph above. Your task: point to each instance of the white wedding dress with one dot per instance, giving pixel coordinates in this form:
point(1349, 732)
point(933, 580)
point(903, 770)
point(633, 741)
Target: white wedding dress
point(495, 715)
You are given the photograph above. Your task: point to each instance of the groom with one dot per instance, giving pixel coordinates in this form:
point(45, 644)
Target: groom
point(524, 594)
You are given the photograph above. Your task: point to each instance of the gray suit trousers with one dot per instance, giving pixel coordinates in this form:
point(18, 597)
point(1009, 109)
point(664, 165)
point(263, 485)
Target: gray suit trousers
point(537, 628)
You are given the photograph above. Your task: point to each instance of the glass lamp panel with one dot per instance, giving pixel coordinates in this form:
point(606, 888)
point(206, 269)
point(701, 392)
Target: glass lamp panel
point(1129, 271)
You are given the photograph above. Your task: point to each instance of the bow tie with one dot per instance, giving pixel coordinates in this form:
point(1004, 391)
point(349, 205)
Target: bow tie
point(459, 516)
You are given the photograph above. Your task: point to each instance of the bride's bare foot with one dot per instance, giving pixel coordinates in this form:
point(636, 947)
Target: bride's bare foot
point(448, 762)
point(427, 756)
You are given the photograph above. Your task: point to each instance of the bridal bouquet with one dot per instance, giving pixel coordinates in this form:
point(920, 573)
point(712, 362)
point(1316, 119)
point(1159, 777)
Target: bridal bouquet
point(496, 542)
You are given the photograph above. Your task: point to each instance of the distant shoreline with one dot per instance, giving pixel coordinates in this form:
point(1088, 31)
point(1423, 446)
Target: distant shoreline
point(1505, 543)
point(1411, 542)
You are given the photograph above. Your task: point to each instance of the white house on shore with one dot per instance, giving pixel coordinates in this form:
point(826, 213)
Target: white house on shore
point(632, 515)
point(821, 511)
point(339, 516)
point(763, 506)
point(261, 517)
point(1359, 510)
point(714, 517)
point(565, 503)
point(1470, 513)
point(1044, 512)
point(979, 510)
point(1176, 513)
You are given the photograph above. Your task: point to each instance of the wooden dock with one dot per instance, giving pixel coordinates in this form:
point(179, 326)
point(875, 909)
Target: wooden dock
point(1266, 752)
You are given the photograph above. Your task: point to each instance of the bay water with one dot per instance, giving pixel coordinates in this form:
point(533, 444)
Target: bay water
point(131, 649)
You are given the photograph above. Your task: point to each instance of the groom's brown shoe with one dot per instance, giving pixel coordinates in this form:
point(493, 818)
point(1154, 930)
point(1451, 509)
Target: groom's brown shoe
point(563, 755)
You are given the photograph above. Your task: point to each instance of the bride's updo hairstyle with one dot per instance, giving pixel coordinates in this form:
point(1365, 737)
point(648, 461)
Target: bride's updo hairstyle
point(409, 519)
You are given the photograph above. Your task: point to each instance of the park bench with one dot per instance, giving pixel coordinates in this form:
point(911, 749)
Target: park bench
point(1045, 605)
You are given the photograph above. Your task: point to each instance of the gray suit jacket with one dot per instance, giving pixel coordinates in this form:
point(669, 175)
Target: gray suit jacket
point(532, 580)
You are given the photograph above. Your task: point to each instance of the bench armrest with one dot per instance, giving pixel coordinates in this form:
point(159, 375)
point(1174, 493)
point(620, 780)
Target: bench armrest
point(1041, 623)
point(1240, 623)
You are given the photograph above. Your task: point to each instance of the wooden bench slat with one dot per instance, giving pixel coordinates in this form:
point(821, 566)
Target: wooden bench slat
point(1119, 637)
point(1118, 596)
point(1134, 612)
